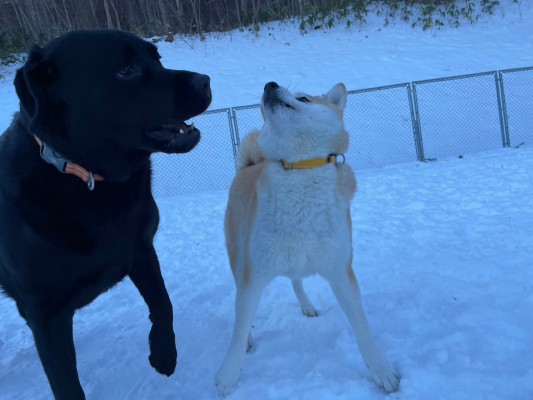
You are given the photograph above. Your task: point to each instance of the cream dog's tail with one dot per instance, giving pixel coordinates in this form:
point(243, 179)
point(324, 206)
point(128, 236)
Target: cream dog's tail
point(249, 152)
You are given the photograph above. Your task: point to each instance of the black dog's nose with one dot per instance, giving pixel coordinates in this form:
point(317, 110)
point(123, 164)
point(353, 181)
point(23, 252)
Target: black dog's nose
point(271, 85)
point(201, 81)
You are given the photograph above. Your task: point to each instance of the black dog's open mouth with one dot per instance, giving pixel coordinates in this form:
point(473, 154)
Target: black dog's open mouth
point(179, 138)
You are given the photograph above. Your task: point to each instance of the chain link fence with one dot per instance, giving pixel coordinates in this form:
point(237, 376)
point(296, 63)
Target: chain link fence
point(517, 92)
point(379, 121)
point(422, 120)
point(210, 166)
point(458, 115)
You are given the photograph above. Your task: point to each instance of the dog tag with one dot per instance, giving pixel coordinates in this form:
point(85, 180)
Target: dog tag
point(90, 181)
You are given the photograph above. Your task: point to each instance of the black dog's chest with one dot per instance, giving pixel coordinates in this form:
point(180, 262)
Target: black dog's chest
point(89, 240)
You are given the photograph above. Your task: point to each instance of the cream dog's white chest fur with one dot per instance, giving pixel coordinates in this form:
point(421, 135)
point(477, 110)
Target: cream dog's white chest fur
point(301, 224)
point(288, 214)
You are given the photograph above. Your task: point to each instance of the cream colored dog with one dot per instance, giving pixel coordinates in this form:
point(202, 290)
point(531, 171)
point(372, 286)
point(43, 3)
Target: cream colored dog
point(288, 214)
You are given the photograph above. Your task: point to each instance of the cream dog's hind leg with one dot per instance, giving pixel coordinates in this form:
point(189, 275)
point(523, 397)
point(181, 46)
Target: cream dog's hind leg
point(305, 303)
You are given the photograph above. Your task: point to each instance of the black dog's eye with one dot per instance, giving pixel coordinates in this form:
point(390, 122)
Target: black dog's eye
point(128, 72)
point(303, 99)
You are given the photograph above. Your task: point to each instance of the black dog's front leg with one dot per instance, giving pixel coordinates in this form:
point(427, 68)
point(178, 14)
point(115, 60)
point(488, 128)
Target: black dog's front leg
point(146, 275)
point(55, 345)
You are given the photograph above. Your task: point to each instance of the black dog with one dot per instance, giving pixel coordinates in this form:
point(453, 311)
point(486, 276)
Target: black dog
point(76, 209)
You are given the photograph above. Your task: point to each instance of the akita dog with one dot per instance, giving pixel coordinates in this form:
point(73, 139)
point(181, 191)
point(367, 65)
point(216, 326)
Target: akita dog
point(288, 214)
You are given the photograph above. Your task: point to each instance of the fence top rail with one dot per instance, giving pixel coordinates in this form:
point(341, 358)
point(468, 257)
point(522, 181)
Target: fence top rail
point(374, 89)
point(216, 111)
point(395, 86)
point(505, 71)
point(452, 78)
point(246, 107)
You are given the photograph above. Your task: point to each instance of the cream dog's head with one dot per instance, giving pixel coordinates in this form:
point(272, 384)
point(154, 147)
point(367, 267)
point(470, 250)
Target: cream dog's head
point(299, 126)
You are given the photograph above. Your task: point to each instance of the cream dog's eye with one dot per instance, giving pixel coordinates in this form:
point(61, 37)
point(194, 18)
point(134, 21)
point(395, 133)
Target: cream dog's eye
point(303, 99)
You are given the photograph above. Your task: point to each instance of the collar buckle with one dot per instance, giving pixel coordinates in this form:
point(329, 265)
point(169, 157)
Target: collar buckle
point(52, 157)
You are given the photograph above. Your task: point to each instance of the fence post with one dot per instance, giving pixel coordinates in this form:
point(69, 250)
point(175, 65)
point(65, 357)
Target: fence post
point(234, 133)
point(415, 120)
point(502, 109)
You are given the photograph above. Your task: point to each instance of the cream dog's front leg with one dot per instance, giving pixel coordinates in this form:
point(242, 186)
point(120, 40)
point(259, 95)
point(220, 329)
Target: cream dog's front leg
point(246, 303)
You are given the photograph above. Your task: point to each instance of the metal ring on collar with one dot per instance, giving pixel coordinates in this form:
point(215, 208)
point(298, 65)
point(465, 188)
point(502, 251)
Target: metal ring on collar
point(337, 156)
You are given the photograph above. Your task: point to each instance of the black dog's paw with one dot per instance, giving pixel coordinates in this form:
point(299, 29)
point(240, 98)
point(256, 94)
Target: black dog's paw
point(163, 353)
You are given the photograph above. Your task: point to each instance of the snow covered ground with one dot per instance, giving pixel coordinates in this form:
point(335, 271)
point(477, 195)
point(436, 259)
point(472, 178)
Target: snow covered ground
point(444, 259)
point(444, 250)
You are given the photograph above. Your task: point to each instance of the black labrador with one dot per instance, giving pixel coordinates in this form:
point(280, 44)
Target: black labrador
point(76, 209)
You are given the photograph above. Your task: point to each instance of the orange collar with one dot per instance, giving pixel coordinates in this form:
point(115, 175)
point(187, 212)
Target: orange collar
point(67, 167)
point(314, 162)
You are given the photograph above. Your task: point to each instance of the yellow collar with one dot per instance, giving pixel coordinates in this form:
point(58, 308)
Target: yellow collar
point(314, 162)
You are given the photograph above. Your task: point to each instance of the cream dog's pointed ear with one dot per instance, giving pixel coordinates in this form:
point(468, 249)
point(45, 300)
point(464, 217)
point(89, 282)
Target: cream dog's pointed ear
point(337, 95)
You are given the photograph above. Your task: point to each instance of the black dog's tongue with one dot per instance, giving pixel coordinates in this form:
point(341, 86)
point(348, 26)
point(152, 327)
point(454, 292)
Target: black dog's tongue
point(179, 138)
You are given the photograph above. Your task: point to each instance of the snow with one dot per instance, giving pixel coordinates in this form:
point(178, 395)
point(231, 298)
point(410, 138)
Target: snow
point(443, 250)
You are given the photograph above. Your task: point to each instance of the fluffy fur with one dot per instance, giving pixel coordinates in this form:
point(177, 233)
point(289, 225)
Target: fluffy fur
point(294, 223)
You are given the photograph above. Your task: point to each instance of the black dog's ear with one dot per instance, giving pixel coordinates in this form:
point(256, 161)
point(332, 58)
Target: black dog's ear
point(32, 82)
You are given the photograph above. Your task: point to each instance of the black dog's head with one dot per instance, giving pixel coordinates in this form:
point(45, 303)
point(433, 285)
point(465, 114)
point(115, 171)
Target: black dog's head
point(103, 100)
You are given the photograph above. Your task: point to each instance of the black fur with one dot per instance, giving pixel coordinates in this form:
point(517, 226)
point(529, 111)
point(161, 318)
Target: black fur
point(103, 100)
